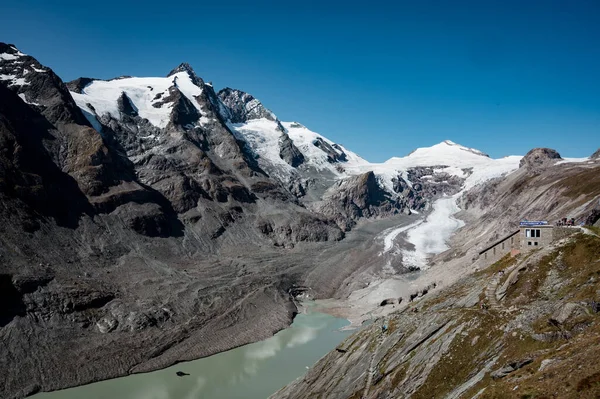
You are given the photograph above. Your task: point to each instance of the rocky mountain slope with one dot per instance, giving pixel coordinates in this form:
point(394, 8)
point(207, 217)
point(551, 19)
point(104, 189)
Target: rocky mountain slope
point(152, 220)
point(531, 331)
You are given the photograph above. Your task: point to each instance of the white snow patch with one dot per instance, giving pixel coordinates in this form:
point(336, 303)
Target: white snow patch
point(14, 80)
point(22, 95)
point(446, 157)
point(263, 136)
point(573, 160)
point(8, 57)
point(142, 92)
point(37, 70)
point(304, 139)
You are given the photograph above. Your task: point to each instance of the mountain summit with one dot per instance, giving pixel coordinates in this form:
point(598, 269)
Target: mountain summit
point(187, 68)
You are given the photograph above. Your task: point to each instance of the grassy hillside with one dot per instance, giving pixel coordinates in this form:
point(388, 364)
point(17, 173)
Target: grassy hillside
point(530, 331)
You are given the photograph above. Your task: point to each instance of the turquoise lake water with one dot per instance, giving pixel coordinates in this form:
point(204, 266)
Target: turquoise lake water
point(253, 371)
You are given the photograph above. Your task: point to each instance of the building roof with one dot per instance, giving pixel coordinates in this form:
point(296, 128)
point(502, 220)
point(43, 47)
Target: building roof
point(499, 241)
point(545, 226)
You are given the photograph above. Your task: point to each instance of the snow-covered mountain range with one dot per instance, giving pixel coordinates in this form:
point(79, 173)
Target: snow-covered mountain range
point(182, 137)
point(287, 151)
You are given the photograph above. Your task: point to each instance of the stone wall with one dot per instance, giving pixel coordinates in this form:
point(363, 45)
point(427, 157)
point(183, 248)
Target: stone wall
point(558, 233)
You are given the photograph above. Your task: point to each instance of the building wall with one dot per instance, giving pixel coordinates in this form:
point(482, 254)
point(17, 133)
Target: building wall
point(499, 250)
point(530, 243)
point(520, 242)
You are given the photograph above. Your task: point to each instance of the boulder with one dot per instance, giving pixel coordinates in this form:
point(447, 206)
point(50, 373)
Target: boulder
point(510, 367)
point(567, 311)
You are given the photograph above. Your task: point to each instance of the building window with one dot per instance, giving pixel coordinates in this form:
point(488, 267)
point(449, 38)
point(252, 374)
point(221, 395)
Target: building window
point(537, 233)
point(512, 240)
point(494, 250)
point(528, 242)
point(535, 243)
point(502, 245)
point(485, 255)
point(527, 233)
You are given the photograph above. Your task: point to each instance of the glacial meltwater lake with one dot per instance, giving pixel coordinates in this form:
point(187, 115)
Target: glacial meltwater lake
point(253, 371)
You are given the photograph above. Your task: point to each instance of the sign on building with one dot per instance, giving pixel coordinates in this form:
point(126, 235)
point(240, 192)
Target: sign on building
point(528, 223)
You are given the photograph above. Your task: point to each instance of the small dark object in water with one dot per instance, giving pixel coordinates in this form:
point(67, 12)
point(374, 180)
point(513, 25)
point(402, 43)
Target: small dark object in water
point(181, 374)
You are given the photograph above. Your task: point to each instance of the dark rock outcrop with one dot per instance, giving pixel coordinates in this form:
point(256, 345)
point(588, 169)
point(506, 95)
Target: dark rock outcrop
point(334, 152)
point(289, 152)
point(539, 157)
point(79, 84)
point(596, 154)
point(125, 105)
point(593, 217)
point(356, 197)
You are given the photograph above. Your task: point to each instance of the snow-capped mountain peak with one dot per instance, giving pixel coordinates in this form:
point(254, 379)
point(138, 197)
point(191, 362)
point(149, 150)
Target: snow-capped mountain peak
point(153, 99)
point(445, 153)
point(286, 150)
point(187, 68)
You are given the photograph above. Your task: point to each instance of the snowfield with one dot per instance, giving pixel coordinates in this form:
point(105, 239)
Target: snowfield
point(142, 92)
point(145, 94)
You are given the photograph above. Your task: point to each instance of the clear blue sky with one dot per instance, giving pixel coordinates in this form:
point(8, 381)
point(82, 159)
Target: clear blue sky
point(381, 78)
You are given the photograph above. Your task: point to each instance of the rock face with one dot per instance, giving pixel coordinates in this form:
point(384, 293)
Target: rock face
point(289, 152)
point(596, 154)
point(539, 157)
point(243, 107)
point(510, 367)
point(333, 154)
point(357, 197)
